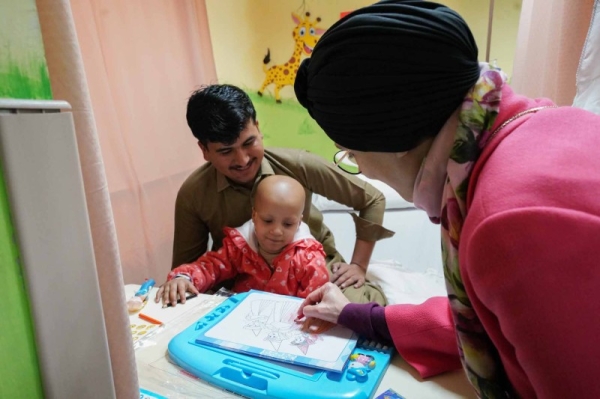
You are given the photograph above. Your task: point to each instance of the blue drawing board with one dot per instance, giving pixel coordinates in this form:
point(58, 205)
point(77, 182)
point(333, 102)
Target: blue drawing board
point(256, 377)
point(262, 324)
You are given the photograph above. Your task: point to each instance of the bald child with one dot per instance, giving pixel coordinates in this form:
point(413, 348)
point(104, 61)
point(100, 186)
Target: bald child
point(274, 251)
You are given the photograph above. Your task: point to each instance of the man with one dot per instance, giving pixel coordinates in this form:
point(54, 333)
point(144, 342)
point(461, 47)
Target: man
point(218, 194)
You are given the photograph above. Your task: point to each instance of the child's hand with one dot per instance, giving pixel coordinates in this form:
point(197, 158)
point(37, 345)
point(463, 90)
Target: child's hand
point(171, 290)
point(344, 275)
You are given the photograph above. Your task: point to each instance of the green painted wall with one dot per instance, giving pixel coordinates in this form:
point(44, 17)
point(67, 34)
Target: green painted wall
point(23, 75)
point(19, 372)
point(23, 69)
point(289, 125)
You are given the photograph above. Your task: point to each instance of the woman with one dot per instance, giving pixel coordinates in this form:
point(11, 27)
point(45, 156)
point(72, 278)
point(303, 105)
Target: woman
point(514, 183)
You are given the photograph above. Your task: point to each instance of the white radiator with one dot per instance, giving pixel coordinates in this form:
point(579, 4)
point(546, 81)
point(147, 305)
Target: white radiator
point(41, 165)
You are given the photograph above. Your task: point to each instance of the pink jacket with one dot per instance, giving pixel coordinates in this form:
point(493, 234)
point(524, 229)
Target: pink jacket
point(529, 256)
point(297, 270)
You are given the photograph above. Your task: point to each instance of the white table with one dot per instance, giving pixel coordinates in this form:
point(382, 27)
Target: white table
point(157, 374)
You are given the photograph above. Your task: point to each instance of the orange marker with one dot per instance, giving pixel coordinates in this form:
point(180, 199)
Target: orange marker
point(149, 319)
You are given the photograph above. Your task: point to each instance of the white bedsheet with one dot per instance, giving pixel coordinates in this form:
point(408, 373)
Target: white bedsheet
point(407, 266)
point(402, 285)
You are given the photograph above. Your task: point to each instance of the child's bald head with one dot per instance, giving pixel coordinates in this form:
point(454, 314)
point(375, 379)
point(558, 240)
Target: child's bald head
point(277, 213)
point(281, 191)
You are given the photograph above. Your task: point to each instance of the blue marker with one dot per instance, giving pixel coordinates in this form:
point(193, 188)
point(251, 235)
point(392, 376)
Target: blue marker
point(145, 288)
point(139, 299)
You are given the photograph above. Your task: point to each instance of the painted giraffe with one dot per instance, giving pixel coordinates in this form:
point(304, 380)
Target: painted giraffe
point(305, 34)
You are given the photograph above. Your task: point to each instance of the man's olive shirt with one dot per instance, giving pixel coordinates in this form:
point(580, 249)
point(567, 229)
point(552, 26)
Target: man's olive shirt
point(207, 201)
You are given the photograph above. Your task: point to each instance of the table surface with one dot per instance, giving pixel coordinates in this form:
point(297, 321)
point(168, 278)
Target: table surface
point(157, 374)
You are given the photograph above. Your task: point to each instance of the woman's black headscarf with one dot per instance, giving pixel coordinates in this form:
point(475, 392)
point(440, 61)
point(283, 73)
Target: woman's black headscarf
point(388, 75)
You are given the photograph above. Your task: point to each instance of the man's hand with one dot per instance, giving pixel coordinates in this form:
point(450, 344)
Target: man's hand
point(344, 275)
point(171, 290)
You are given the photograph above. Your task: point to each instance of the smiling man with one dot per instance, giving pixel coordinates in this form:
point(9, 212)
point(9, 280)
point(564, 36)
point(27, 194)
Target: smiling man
point(218, 194)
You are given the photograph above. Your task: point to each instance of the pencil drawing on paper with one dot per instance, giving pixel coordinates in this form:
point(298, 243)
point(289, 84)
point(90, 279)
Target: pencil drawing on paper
point(264, 325)
point(276, 320)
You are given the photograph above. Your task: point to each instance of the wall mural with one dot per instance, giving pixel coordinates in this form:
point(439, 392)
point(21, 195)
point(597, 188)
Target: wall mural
point(283, 121)
point(258, 46)
point(305, 35)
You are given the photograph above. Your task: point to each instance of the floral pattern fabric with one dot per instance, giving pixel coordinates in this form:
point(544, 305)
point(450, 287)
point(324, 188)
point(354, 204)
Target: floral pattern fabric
point(477, 116)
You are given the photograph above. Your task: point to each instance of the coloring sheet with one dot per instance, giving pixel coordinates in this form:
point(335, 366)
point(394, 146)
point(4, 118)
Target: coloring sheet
point(262, 324)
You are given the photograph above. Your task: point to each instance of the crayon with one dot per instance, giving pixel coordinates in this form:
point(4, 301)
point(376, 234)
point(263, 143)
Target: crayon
point(149, 319)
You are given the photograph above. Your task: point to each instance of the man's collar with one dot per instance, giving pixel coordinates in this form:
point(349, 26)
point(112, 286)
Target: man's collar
point(265, 170)
point(222, 182)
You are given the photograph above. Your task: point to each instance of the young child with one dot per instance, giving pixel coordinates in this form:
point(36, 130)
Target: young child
point(273, 252)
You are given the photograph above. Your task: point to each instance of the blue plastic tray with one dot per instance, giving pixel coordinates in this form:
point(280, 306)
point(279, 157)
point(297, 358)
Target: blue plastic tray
point(255, 377)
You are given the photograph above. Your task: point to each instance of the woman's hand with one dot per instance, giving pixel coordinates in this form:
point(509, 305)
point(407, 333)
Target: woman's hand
point(325, 303)
point(172, 289)
point(346, 274)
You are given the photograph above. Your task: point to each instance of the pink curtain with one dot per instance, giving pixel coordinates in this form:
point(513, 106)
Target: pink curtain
point(127, 69)
point(68, 81)
point(142, 60)
point(549, 44)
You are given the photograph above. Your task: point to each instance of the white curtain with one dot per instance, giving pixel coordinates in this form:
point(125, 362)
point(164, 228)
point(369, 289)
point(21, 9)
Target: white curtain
point(549, 43)
point(588, 74)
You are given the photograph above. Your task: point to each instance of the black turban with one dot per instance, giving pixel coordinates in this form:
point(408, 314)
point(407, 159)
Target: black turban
point(388, 75)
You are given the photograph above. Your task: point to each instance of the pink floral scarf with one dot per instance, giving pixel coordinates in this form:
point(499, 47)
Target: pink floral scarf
point(441, 190)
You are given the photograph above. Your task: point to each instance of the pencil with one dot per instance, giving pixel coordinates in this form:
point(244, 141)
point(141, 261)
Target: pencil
point(149, 319)
point(179, 300)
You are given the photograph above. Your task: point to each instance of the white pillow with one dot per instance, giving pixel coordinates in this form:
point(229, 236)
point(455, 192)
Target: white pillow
point(401, 285)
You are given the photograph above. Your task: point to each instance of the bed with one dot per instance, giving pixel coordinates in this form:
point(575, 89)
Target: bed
point(408, 265)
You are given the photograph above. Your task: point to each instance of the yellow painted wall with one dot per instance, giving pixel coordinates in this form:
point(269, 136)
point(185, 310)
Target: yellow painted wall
point(242, 30)
point(505, 25)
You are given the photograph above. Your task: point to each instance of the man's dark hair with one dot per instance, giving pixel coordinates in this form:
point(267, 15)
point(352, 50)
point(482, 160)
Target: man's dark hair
point(219, 113)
